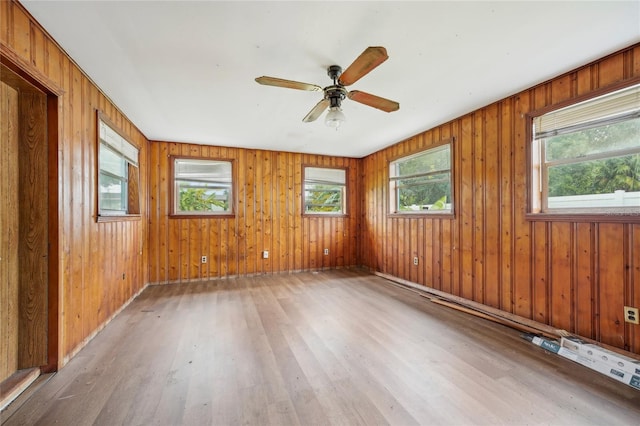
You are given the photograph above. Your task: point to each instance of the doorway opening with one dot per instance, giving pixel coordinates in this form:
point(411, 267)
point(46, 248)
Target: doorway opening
point(28, 241)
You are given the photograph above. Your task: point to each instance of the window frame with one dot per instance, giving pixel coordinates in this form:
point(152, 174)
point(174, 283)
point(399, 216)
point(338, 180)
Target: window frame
point(392, 202)
point(536, 204)
point(345, 192)
point(173, 213)
point(132, 180)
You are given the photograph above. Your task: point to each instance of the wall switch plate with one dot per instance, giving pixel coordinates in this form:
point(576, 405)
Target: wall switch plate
point(204, 259)
point(415, 260)
point(631, 315)
point(326, 252)
point(265, 254)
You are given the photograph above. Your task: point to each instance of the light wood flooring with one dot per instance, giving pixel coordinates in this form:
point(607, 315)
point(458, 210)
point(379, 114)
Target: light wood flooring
point(336, 347)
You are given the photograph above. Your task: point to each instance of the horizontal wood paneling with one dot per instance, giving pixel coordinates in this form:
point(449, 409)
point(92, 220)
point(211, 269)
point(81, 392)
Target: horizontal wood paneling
point(101, 265)
point(574, 275)
point(268, 216)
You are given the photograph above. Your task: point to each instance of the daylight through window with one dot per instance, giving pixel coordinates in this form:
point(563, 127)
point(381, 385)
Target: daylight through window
point(421, 183)
point(586, 157)
point(324, 190)
point(202, 187)
point(118, 174)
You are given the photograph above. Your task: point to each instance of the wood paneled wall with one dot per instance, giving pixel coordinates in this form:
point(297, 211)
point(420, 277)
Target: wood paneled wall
point(100, 265)
point(571, 274)
point(33, 236)
point(9, 229)
point(268, 216)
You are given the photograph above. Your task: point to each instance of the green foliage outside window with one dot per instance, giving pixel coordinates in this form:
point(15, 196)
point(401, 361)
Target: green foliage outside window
point(423, 181)
point(587, 175)
point(323, 199)
point(202, 200)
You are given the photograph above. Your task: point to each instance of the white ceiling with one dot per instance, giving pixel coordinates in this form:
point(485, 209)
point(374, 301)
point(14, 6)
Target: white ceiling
point(184, 71)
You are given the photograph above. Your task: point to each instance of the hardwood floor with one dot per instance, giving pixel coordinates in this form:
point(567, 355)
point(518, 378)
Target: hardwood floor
point(338, 347)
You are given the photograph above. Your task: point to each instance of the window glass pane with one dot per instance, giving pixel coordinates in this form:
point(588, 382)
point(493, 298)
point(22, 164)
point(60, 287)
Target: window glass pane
point(430, 161)
point(202, 186)
point(425, 194)
point(323, 198)
point(586, 157)
point(112, 162)
point(203, 197)
point(611, 182)
point(117, 164)
point(112, 194)
point(422, 182)
point(324, 190)
point(597, 140)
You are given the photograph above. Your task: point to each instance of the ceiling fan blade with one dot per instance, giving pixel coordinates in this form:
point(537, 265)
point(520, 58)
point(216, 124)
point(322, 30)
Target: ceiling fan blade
point(289, 84)
point(374, 101)
point(368, 60)
point(316, 111)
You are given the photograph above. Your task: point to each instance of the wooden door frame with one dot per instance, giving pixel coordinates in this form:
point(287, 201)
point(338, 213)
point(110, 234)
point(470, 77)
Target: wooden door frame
point(52, 93)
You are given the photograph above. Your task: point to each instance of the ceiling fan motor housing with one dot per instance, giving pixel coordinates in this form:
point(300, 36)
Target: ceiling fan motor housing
point(334, 71)
point(336, 93)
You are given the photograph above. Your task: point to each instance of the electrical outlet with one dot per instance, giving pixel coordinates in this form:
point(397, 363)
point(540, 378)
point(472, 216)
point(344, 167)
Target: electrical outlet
point(415, 260)
point(326, 252)
point(204, 259)
point(265, 254)
point(631, 315)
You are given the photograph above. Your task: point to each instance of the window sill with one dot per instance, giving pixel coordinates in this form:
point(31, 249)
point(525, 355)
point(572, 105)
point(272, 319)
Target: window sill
point(202, 216)
point(612, 217)
point(421, 214)
point(118, 218)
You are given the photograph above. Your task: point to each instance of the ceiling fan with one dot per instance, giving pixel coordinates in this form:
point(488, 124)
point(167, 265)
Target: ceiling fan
point(336, 93)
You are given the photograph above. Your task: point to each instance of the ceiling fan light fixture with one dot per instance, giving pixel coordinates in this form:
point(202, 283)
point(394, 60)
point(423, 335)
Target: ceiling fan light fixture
point(335, 117)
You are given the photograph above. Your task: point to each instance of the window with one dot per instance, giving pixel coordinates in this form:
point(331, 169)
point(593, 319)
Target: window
point(421, 183)
point(118, 177)
point(202, 187)
point(586, 157)
point(325, 190)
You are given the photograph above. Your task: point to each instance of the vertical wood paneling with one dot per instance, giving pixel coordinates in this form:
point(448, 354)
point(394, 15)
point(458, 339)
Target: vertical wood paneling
point(584, 292)
point(540, 272)
point(506, 212)
point(465, 207)
point(9, 223)
point(634, 284)
point(478, 208)
point(268, 216)
point(100, 265)
point(491, 238)
point(522, 255)
point(561, 289)
point(33, 240)
point(572, 275)
point(612, 280)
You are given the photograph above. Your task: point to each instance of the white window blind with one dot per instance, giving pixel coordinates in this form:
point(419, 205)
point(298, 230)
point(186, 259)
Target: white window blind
point(324, 176)
point(118, 143)
point(612, 107)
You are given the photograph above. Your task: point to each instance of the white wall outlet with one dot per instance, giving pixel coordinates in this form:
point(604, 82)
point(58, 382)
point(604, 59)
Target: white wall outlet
point(265, 254)
point(631, 315)
point(204, 259)
point(326, 252)
point(415, 260)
